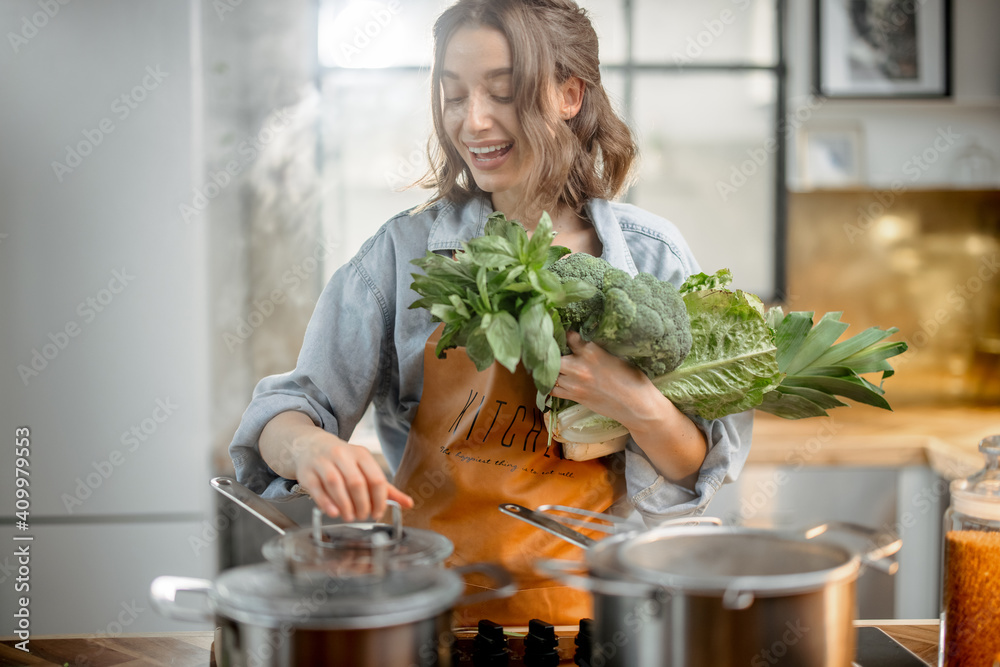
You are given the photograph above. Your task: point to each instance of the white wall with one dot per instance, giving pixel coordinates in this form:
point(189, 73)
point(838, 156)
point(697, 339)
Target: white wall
point(894, 131)
point(104, 327)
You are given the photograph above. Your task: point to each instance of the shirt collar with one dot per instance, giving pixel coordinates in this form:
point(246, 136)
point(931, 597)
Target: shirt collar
point(456, 223)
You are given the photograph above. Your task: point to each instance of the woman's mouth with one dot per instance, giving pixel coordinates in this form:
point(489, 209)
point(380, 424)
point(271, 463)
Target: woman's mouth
point(485, 155)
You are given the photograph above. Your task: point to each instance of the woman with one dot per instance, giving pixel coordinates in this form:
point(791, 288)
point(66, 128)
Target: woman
point(523, 126)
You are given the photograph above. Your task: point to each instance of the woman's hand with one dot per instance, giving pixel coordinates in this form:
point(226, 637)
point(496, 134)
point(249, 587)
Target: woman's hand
point(604, 383)
point(344, 480)
point(616, 389)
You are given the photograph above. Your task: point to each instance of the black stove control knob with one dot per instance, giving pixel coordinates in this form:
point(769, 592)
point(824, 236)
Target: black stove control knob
point(489, 648)
point(541, 645)
point(584, 646)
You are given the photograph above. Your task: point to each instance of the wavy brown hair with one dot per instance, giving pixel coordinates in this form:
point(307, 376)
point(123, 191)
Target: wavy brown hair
point(587, 156)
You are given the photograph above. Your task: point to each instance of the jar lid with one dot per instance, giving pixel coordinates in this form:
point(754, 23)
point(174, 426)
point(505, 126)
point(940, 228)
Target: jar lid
point(263, 595)
point(979, 494)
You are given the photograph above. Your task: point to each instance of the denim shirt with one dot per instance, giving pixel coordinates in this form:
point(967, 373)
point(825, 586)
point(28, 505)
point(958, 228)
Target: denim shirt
point(364, 345)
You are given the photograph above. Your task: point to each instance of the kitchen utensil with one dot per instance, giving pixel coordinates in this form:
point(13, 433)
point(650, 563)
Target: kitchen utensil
point(694, 595)
point(268, 618)
point(340, 549)
point(361, 593)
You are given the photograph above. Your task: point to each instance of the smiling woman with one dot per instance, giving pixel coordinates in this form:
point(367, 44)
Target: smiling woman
point(533, 74)
point(524, 127)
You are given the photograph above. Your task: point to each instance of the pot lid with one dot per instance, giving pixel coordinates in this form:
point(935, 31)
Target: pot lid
point(262, 594)
point(357, 549)
point(725, 560)
point(979, 495)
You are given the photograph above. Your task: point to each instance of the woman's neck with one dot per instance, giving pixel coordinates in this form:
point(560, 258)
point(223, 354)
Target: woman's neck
point(572, 230)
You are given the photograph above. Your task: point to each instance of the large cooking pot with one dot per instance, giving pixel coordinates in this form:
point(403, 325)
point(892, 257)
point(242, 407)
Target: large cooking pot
point(339, 549)
point(341, 594)
point(713, 595)
point(267, 618)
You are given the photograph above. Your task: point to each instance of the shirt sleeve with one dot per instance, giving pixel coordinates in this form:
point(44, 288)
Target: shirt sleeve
point(344, 354)
point(662, 251)
point(658, 499)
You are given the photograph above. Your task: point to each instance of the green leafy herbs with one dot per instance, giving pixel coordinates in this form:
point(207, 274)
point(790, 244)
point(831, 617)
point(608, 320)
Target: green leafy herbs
point(732, 362)
point(817, 370)
point(498, 298)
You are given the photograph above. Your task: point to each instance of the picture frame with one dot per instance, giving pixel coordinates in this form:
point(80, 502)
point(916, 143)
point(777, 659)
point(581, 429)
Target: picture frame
point(831, 156)
point(883, 48)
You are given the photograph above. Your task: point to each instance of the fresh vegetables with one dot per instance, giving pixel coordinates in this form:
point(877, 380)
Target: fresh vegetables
point(731, 365)
point(743, 357)
point(815, 370)
point(509, 298)
point(640, 319)
point(498, 298)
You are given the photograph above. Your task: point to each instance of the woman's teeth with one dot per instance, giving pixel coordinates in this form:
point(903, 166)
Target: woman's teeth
point(488, 152)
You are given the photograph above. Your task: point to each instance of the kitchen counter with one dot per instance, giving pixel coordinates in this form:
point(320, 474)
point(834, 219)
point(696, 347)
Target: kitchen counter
point(193, 649)
point(943, 438)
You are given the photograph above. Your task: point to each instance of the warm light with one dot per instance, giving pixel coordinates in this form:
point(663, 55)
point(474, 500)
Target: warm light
point(891, 229)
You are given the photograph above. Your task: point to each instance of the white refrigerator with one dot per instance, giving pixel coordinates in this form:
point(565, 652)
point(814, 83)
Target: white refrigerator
point(104, 319)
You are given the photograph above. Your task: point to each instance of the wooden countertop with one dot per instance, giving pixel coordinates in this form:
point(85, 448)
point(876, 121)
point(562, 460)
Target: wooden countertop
point(193, 649)
point(944, 438)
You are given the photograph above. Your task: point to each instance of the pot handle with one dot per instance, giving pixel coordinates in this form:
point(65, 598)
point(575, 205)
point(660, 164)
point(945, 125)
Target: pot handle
point(882, 546)
point(163, 596)
point(572, 574)
point(501, 577)
point(548, 524)
point(254, 504)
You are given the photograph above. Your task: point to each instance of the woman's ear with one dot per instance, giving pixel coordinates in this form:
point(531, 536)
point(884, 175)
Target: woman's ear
point(570, 97)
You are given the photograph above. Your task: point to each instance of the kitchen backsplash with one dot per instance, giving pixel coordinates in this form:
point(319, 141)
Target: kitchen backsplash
point(926, 262)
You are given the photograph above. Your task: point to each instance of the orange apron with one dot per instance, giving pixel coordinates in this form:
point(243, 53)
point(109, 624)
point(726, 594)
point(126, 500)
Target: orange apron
point(478, 441)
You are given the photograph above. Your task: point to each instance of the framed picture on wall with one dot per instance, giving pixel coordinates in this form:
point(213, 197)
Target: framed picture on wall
point(883, 48)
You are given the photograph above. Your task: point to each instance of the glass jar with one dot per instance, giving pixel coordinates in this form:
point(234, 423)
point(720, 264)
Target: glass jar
point(970, 595)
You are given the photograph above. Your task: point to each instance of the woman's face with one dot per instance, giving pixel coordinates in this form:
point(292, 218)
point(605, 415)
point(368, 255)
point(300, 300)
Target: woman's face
point(479, 115)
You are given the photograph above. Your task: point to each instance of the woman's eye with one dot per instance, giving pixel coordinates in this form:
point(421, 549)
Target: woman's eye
point(454, 100)
point(503, 99)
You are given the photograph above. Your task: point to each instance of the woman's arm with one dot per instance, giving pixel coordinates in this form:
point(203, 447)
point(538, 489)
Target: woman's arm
point(343, 479)
point(614, 388)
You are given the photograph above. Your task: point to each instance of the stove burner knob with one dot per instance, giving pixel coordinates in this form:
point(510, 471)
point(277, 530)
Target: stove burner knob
point(584, 647)
point(490, 646)
point(541, 645)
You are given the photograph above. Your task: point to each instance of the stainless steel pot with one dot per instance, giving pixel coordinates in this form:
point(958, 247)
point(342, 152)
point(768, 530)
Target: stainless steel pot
point(363, 593)
point(268, 618)
point(341, 549)
point(712, 595)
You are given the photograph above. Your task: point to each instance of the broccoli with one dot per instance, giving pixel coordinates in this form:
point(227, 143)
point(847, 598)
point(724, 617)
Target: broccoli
point(641, 319)
point(581, 266)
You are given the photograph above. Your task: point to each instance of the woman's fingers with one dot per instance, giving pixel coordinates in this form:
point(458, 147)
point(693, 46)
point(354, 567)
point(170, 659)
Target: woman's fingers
point(336, 490)
point(310, 481)
point(356, 485)
point(400, 497)
point(346, 481)
point(378, 485)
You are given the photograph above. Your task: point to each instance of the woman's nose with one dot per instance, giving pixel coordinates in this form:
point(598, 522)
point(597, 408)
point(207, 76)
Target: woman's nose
point(480, 115)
